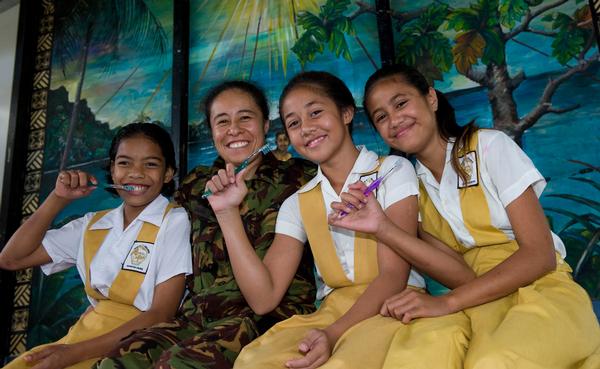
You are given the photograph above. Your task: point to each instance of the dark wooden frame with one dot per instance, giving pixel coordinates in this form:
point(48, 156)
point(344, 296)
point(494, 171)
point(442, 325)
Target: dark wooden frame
point(595, 9)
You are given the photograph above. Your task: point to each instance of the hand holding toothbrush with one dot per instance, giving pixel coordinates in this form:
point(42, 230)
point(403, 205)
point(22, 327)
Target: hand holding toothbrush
point(74, 184)
point(227, 189)
point(359, 210)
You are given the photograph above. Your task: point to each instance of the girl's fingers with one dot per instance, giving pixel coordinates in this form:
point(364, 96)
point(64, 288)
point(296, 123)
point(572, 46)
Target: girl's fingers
point(83, 178)
point(358, 185)
point(74, 182)
point(350, 199)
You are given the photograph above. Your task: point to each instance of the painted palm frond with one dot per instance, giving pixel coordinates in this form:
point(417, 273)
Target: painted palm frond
point(95, 32)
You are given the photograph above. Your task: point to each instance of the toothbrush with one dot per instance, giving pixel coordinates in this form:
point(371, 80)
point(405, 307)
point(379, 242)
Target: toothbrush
point(263, 149)
point(119, 187)
point(375, 184)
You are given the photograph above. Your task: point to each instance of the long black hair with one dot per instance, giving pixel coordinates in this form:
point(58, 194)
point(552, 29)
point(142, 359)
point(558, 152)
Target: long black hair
point(156, 134)
point(444, 115)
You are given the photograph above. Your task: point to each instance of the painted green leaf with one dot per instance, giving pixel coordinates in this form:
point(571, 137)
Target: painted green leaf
point(579, 199)
point(580, 219)
point(464, 19)
point(512, 11)
point(567, 44)
point(334, 9)
point(434, 16)
point(593, 183)
point(494, 48)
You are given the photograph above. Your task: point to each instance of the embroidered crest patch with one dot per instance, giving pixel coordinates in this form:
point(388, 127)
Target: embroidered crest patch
point(367, 179)
point(138, 258)
point(468, 163)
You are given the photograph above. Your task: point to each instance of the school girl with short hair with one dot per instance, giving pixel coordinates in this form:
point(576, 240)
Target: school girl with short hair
point(133, 259)
point(478, 197)
point(356, 272)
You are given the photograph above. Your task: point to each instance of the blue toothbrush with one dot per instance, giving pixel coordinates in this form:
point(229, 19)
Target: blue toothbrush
point(119, 187)
point(375, 184)
point(263, 149)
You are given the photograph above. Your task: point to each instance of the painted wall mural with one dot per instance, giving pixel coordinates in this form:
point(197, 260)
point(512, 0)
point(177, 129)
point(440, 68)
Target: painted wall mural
point(528, 67)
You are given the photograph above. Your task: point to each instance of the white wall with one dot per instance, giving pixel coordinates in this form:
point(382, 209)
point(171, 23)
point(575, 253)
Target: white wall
point(8, 44)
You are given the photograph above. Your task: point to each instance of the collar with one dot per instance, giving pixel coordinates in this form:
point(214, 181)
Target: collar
point(366, 162)
point(422, 170)
point(152, 213)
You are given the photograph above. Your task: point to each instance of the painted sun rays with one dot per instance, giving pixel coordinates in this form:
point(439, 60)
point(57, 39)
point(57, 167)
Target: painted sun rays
point(247, 28)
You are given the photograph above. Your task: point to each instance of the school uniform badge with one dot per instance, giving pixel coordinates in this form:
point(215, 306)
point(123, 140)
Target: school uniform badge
point(138, 258)
point(369, 178)
point(468, 163)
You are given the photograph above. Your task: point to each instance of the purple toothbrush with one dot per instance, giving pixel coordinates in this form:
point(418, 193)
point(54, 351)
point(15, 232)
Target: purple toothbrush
point(375, 184)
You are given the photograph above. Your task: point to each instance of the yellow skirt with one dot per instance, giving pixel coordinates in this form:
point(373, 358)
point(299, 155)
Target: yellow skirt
point(549, 324)
point(105, 317)
point(377, 342)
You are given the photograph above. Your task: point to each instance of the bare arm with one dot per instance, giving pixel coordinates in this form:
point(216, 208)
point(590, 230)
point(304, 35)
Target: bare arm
point(24, 249)
point(426, 254)
point(533, 259)
point(167, 296)
point(392, 278)
point(262, 282)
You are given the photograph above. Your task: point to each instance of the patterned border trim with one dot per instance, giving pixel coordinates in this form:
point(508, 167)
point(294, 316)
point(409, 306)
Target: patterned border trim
point(33, 169)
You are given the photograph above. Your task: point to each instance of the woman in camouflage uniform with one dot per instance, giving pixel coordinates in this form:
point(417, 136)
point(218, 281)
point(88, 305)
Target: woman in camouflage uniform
point(215, 321)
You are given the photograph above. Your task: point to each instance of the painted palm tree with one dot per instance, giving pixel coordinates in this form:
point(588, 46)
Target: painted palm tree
point(100, 29)
point(329, 27)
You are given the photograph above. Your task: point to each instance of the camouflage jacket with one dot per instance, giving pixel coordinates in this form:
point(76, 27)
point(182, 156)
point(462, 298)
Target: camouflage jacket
point(214, 293)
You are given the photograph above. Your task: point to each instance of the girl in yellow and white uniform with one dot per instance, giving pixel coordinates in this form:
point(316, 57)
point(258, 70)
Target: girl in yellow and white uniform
point(478, 197)
point(357, 272)
point(132, 259)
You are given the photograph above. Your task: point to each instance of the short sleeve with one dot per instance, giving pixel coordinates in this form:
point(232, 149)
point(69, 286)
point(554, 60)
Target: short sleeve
point(175, 249)
point(289, 221)
point(509, 168)
point(63, 245)
point(401, 183)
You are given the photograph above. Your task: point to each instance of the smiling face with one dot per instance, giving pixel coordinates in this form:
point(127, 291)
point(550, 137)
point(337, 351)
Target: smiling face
point(404, 117)
point(237, 125)
point(315, 125)
point(282, 142)
point(139, 162)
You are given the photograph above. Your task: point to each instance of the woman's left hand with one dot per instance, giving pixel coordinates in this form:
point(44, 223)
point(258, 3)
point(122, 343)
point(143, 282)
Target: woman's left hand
point(411, 304)
point(316, 348)
point(53, 357)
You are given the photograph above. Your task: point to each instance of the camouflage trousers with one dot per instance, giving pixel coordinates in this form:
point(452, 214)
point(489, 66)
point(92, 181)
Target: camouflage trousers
point(183, 344)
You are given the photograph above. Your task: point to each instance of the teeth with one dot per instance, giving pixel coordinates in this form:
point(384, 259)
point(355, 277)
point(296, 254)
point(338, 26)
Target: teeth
point(314, 142)
point(136, 188)
point(238, 144)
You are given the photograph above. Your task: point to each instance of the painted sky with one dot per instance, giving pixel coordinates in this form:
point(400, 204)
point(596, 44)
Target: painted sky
point(152, 77)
